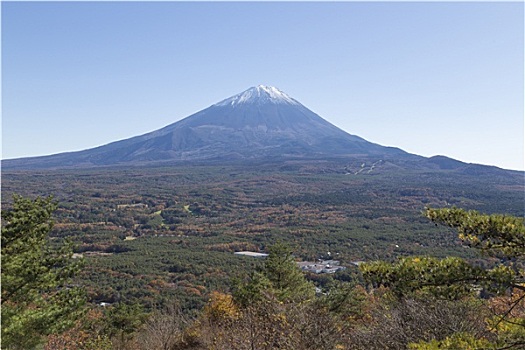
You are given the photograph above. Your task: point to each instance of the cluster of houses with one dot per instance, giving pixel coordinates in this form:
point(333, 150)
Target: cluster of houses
point(321, 266)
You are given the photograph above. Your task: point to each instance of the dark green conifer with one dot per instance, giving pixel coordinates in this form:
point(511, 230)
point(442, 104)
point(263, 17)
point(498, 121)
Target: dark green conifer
point(38, 297)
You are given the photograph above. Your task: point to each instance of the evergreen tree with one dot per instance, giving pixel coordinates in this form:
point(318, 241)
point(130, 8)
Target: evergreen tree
point(286, 278)
point(122, 321)
point(280, 278)
point(498, 236)
point(37, 296)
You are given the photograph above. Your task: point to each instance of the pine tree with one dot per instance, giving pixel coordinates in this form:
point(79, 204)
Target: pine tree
point(37, 296)
point(286, 278)
point(501, 237)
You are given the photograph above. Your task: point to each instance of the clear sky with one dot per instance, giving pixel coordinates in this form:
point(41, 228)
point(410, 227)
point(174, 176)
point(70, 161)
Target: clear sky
point(435, 78)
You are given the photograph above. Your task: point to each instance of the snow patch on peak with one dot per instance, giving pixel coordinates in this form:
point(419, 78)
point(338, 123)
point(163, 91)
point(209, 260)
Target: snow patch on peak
point(259, 95)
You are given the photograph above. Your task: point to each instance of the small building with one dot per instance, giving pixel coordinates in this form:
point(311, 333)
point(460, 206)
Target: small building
point(332, 269)
point(329, 262)
point(252, 254)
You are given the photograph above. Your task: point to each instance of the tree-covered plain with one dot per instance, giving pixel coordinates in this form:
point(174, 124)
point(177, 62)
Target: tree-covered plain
point(160, 242)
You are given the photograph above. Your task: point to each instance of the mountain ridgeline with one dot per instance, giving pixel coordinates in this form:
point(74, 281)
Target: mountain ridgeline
point(260, 124)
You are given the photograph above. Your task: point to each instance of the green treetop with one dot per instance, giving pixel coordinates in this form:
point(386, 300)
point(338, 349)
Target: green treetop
point(280, 277)
point(501, 237)
point(285, 276)
point(37, 296)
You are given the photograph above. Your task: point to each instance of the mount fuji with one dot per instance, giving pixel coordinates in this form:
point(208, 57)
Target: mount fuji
point(260, 124)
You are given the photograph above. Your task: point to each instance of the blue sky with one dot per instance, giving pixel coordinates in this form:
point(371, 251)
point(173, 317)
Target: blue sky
point(431, 78)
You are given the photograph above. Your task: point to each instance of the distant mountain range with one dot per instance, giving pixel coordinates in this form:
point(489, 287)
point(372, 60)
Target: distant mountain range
point(260, 124)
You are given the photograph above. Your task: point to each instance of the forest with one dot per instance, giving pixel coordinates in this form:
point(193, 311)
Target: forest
point(146, 258)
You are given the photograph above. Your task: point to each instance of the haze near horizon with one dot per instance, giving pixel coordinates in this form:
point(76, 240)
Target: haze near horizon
point(429, 78)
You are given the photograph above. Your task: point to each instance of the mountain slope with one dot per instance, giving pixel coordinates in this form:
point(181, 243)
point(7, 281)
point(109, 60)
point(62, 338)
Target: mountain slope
point(261, 122)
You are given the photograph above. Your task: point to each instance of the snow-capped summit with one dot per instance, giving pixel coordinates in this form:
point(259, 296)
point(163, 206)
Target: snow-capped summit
point(260, 123)
point(260, 94)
